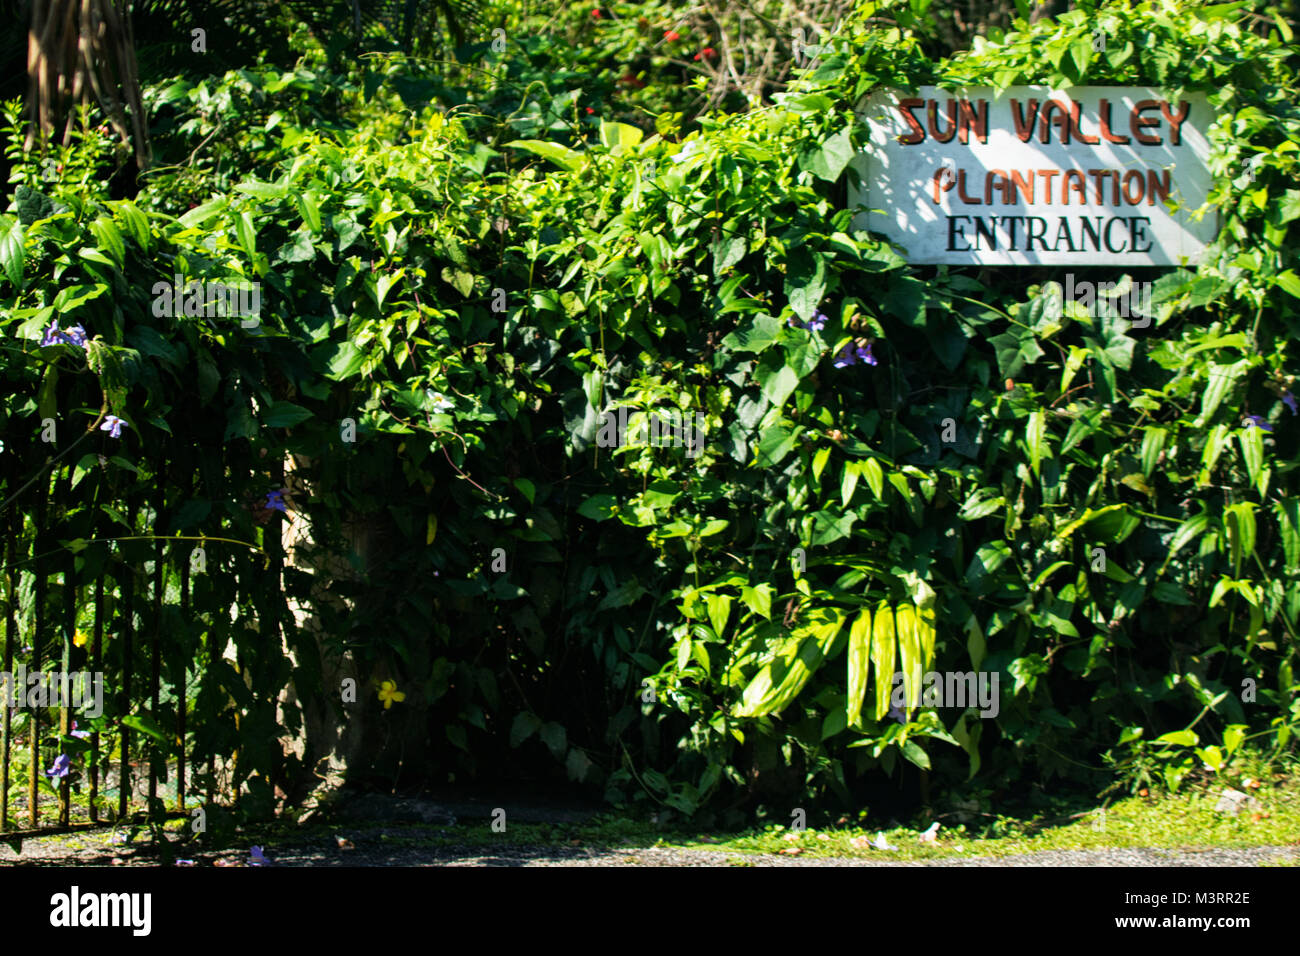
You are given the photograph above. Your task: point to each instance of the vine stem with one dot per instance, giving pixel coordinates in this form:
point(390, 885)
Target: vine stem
point(138, 537)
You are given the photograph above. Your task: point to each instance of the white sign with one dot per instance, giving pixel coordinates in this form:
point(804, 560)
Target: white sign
point(1094, 174)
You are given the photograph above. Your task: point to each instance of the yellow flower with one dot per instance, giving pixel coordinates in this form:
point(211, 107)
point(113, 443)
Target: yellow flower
point(80, 638)
point(388, 693)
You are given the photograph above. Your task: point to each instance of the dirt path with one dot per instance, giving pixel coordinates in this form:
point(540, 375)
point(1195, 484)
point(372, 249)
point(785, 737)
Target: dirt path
point(394, 848)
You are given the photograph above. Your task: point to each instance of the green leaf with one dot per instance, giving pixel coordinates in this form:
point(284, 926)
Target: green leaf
point(47, 396)
point(1239, 520)
point(849, 482)
point(755, 335)
point(727, 251)
point(310, 211)
point(1220, 381)
point(1153, 442)
point(201, 214)
point(765, 695)
point(524, 726)
point(1288, 516)
point(1233, 736)
point(805, 282)
point(297, 249)
point(882, 656)
point(1252, 452)
point(719, 612)
point(758, 599)
point(835, 153)
point(285, 415)
point(614, 135)
point(342, 360)
point(914, 754)
point(909, 645)
point(875, 477)
point(137, 224)
point(859, 664)
point(245, 233)
point(526, 488)
point(1288, 281)
point(1185, 738)
point(975, 642)
point(191, 514)
point(598, 507)
point(1080, 54)
point(777, 386)
point(145, 725)
point(626, 593)
point(70, 297)
point(577, 765)
point(554, 736)
point(263, 191)
point(561, 156)
point(1034, 437)
point(109, 238)
point(11, 249)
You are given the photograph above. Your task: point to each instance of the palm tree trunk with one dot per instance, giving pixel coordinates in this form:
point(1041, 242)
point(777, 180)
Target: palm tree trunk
point(82, 52)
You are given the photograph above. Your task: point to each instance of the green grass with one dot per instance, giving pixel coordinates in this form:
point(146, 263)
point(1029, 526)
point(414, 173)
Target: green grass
point(1186, 819)
point(1183, 820)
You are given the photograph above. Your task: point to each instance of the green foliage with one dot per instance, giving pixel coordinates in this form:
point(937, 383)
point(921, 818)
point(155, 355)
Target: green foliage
point(474, 288)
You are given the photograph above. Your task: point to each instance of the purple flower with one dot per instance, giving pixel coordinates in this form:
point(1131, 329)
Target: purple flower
point(73, 336)
point(897, 714)
point(112, 425)
point(62, 763)
point(846, 357)
point(865, 356)
point(1289, 401)
point(256, 857)
point(275, 501)
point(79, 734)
point(815, 324)
point(1257, 421)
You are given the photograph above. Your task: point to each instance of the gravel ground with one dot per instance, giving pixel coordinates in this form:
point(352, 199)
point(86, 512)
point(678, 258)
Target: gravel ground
point(92, 849)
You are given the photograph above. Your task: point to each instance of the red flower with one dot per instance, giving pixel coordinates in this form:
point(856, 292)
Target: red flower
point(590, 111)
point(596, 14)
point(672, 35)
point(708, 51)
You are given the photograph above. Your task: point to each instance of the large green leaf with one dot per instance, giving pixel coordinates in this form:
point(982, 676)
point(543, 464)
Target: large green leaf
point(754, 335)
point(859, 664)
point(614, 135)
point(11, 249)
point(805, 282)
point(285, 415)
point(909, 646)
point(882, 656)
point(829, 159)
point(778, 684)
point(1288, 515)
point(561, 156)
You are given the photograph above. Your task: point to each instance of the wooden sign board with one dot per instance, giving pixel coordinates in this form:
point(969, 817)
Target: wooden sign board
point(1034, 176)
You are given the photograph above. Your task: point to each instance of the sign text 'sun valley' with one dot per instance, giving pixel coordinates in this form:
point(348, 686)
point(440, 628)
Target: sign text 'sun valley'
point(1106, 175)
